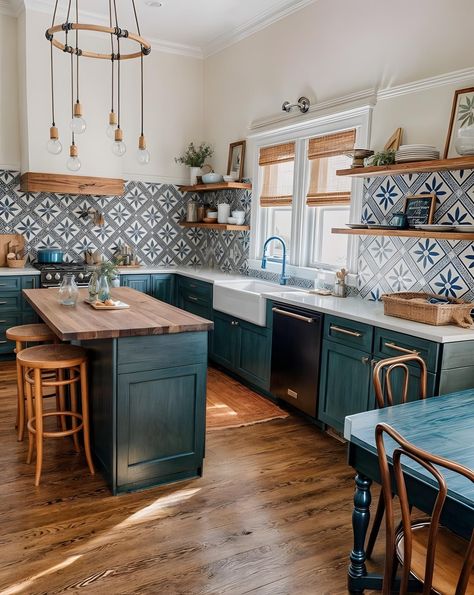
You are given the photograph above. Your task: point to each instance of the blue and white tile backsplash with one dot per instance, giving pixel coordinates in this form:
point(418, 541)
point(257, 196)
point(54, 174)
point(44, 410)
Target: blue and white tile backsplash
point(146, 217)
point(388, 264)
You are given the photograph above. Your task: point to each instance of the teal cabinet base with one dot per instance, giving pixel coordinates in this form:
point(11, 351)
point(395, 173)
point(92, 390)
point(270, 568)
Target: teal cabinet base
point(148, 415)
point(14, 310)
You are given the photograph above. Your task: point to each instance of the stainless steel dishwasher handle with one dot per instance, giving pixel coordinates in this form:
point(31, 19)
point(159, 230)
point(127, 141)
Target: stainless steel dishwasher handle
point(293, 315)
point(402, 349)
point(344, 331)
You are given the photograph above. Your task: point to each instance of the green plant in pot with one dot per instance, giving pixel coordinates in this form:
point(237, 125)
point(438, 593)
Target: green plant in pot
point(109, 270)
point(195, 157)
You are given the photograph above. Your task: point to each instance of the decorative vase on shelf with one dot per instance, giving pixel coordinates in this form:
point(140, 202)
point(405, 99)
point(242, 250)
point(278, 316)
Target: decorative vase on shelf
point(194, 172)
point(465, 140)
point(223, 212)
point(93, 286)
point(68, 291)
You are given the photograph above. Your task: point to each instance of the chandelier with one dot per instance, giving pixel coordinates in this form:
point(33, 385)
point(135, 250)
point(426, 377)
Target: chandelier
point(70, 45)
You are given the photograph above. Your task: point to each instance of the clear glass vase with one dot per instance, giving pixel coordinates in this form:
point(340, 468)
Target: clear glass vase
point(93, 286)
point(68, 291)
point(104, 288)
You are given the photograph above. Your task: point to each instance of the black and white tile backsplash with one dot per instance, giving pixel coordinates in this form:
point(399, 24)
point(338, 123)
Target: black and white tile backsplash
point(388, 264)
point(146, 217)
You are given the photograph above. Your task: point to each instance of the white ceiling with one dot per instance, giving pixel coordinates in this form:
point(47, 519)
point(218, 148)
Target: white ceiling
point(194, 27)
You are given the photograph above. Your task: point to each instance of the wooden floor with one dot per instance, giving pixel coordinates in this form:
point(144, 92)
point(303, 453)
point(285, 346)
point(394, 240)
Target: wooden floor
point(271, 515)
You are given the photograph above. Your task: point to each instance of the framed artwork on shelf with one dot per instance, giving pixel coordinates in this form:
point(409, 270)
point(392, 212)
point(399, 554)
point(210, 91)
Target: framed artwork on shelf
point(420, 209)
point(393, 143)
point(235, 163)
point(462, 116)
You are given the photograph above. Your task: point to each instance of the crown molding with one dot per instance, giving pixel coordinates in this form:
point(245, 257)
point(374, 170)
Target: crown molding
point(280, 10)
point(158, 45)
point(351, 102)
point(456, 77)
point(11, 8)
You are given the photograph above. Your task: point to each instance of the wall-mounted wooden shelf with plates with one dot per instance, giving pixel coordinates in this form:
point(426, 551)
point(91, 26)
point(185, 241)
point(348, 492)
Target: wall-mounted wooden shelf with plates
point(216, 187)
point(386, 230)
point(466, 162)
point(218, 226)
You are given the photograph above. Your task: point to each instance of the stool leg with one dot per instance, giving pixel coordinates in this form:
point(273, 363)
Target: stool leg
point(58, 404)
point(73, 389)
point(85, 416)
point(30, 414)
point(39, 424)
point(20, 413)
point(62, 400)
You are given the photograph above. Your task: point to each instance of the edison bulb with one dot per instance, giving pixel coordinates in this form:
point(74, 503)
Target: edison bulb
point(111, 128)
point(53, 146)
point(73, 164)
point(119, 148)
point(143, 156)
point(78, 125)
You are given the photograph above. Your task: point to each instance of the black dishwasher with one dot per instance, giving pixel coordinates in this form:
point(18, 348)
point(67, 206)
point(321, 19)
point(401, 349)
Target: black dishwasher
point(296, 347)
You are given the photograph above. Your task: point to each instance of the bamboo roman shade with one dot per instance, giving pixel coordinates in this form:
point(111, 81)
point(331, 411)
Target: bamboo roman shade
point(326, 155)
point(277, 163)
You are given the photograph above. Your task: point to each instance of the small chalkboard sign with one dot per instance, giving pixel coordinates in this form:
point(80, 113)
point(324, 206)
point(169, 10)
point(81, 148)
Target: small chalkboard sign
point(420, 209)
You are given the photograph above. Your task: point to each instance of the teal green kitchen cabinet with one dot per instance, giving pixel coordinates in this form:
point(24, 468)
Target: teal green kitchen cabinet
point(194, 296)
point(14, 310)
point(242, 348)
point(139, 282)
point(345, 385)
point(162, 287)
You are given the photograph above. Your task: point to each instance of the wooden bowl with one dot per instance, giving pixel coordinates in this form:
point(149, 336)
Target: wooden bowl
point(209, 220)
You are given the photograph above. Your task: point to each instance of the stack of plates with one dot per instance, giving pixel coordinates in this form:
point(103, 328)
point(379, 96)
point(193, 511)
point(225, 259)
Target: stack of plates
point(408, 153)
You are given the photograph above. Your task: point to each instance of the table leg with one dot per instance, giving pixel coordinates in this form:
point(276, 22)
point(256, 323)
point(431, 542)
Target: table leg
point(360, 523)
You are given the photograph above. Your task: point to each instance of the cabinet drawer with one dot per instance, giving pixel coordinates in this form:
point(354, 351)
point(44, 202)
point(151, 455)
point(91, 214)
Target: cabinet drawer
point(196, 288)
point(10, 301)
point(390, 344)
point(10, 284)
point(348, 332)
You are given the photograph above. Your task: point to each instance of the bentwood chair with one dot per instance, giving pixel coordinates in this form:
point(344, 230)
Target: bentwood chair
point(384, 372)
point(442, 561)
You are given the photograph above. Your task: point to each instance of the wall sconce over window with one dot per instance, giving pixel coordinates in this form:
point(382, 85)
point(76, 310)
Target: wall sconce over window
point(302, 104)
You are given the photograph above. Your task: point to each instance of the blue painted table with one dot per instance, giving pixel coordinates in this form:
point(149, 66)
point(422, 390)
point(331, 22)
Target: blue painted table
point(443, 425)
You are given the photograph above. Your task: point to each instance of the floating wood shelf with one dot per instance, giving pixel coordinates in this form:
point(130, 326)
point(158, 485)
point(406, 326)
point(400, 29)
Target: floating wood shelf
point(215, 187)
point(414, 167)
point(221, 226)
point(64, 184)
point(406, 233)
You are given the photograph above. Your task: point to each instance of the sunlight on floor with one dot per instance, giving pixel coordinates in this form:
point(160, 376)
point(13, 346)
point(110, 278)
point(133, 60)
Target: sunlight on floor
point(158, 509)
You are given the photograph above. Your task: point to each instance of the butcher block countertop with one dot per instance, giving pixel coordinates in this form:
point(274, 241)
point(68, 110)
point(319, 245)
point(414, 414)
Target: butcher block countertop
point(146, 316)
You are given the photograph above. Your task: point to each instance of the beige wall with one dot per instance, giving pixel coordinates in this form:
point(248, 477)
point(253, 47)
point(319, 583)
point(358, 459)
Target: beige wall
point(173, 109)
point(336, 47)
point(9, 122)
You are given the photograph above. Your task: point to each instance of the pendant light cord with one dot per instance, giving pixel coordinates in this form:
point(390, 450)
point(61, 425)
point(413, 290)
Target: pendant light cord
point(77, 53)
point(51, 64)
point(141, 68)
point(112, 56)
point(72, 92)
point(118, 65)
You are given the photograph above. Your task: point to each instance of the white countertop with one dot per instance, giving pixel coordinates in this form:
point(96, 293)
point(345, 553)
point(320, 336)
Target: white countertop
point(351, 308)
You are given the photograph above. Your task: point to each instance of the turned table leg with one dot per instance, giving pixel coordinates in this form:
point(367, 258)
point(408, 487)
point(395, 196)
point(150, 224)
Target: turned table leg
point(360, 523)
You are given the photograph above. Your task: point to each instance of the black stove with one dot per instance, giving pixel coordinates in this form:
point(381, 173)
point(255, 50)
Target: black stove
point(52, 273)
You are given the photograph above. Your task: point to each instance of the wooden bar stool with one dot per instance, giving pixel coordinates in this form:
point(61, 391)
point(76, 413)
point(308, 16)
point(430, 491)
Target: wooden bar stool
point(26, 333)
point(68, 360)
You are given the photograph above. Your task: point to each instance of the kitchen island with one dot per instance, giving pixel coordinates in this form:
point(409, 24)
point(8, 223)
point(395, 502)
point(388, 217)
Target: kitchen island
point(147, 377)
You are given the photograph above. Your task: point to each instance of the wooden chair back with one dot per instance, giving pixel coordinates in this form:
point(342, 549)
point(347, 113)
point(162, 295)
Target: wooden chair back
point(383, 371)
point(431, 463)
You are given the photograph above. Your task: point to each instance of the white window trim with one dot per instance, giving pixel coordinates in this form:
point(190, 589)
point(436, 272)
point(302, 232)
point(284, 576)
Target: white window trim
point(359, 118)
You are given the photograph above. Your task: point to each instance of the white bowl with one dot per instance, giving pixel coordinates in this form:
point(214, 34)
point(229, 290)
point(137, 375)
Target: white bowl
point(229, 178)
point(238, 214)
point(212, 214)
point(232, 220)
point(212, 178)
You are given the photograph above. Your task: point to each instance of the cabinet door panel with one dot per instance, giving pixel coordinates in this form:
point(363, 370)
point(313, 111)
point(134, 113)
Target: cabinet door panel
point(253, 353)
point(161, 424)
point(138, 282)
point(162, 288)
point(222, 348)
point(390, 344)
point(345, 383)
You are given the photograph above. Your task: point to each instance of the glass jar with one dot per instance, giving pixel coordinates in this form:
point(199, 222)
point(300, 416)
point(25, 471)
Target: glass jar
point(93, 286)
point(104, 289)
point(68, 290)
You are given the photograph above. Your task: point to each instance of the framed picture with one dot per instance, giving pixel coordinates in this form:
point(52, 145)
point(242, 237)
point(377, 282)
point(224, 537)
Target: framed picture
point(462, 114)
point(420, 209)
point(393, 143)
point(235, 164)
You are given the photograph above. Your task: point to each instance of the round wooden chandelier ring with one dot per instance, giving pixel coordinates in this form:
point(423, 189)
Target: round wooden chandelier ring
point(100, 29)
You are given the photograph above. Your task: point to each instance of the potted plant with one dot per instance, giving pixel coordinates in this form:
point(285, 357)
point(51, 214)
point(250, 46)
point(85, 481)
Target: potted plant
point(195, 157)
point(109, 270)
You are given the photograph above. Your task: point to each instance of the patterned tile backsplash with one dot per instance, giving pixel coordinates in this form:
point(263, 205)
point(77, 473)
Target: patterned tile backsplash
point(388, 264)
point(146, 218)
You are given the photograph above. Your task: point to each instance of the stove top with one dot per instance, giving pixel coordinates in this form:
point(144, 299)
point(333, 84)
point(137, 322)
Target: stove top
point(52, 273)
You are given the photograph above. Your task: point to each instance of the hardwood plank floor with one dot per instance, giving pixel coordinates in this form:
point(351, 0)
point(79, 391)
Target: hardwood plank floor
point(272, 514)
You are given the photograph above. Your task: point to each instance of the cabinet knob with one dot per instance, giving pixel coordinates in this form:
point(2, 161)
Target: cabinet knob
point(365, 360)
point(235, 323)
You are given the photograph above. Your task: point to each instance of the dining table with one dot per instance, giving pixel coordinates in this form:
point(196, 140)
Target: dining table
point(442, 425)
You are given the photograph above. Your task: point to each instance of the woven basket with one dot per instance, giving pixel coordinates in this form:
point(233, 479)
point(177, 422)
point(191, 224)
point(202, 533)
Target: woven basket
point(16, 264)
point(413, 306)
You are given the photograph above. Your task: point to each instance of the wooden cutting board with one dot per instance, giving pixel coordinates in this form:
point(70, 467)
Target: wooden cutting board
point(5, 239)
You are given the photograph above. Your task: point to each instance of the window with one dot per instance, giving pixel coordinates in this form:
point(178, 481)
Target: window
point(300, 198)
